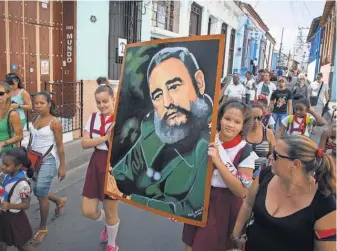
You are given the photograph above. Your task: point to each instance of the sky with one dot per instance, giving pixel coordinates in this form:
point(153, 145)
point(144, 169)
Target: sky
point(288, 14)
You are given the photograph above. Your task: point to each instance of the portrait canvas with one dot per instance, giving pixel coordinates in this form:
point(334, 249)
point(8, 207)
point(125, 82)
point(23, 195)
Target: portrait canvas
point(165, 118)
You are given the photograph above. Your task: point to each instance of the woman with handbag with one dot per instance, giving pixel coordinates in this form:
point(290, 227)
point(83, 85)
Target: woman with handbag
point(96, 135)
point(46, 146)
point(10, 125)
point(293, 202)
point(319, 94)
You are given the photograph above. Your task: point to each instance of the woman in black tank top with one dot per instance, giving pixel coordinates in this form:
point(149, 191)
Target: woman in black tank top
point(291, 207)
point(260, 138)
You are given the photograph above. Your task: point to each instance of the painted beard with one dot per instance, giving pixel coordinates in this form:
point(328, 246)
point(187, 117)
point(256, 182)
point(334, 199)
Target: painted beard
point(197, 119)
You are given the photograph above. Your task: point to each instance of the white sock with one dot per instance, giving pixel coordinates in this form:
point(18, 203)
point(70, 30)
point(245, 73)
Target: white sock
point(102, 217)
point(112, 234)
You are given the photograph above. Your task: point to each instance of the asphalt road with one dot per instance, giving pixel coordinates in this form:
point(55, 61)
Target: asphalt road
point(138, 231)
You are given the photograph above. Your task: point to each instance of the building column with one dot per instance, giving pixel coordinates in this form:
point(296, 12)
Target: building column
point(146, 20)
point(184, 18)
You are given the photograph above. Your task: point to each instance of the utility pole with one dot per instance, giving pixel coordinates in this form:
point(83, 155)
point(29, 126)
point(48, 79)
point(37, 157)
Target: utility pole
point(280, 51)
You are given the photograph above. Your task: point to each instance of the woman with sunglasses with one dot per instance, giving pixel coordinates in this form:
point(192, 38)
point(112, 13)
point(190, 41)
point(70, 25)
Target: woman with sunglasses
point(261, 139)
point(292, 202)
point(10, 127)
point(21, 100)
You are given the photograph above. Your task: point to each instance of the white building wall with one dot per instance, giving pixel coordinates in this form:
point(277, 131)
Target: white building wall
point(220, 12)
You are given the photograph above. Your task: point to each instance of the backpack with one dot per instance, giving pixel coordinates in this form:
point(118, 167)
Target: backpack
point(290, 123)
point(242, 154)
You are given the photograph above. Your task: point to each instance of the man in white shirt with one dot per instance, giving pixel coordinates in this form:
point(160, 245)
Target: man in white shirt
point(235, 90)
point(266, 87)
point(321, 90)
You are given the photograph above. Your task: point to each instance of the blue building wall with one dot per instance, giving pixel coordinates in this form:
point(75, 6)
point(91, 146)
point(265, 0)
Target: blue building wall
point(274, 61)
point(239, 43)
point(92, 39)
point(315, 49)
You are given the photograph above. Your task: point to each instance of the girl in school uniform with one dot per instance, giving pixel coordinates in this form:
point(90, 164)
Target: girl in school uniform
point(302, 122)
point(96, 135)
point(15, 229)
point(234, 163)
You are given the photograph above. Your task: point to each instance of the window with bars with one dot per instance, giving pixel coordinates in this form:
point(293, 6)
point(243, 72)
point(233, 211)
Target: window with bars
point(125, 19)
point(195, 19)
point(165, 15)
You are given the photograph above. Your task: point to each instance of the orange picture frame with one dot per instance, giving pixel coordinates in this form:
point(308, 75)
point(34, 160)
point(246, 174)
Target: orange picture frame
point(220, 60)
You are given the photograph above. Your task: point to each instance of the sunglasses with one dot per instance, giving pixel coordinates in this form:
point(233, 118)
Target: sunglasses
point(2, 93)
point(259, 118)
point(276, 156)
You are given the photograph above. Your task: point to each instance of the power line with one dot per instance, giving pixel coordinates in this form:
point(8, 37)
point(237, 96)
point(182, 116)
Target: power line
point(305, 4)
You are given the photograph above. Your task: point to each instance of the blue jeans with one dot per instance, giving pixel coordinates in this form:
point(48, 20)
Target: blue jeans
point(45, 176)
point(278, 117)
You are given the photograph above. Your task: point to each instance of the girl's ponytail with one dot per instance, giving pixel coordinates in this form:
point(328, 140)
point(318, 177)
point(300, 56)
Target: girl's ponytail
point(325, 174)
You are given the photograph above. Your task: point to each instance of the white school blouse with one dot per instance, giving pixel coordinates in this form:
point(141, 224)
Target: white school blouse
point(227, 156)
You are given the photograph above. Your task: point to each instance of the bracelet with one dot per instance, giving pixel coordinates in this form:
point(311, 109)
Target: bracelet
point(235, 239)
point(243, 236)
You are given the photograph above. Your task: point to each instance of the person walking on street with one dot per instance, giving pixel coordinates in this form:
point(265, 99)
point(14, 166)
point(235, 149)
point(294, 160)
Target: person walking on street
point(11, 131)
point(291, 206)
point(261, 139)
point(281, 103)
point(266, 87)
point(46, 138)
point(250, 88)
point(300, 90)
point(235, 90)
point(97, 134)
point(15, 229)
point(319, 93)
point(21, 101)
point(234, 162)
point(302, 122)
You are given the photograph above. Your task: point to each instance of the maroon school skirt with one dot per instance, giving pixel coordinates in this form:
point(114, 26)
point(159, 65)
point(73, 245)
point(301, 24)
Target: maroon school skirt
point(224, 208)
point(15, 229)
point(95, 178)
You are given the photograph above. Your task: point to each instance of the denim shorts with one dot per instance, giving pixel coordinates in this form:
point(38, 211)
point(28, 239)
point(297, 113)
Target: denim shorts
point(43, 179)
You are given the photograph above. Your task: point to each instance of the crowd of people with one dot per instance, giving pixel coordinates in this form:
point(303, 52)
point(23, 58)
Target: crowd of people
point(272, 187)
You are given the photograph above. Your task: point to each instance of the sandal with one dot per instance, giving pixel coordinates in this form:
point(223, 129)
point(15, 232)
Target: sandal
point(42, 233)
point(59, 208)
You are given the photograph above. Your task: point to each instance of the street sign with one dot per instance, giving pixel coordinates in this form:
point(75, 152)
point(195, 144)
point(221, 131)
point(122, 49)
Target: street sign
point(121, 46)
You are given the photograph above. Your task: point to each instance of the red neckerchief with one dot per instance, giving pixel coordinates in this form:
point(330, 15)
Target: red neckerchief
point(103, 123)
point(237, 140)
point(302, 125)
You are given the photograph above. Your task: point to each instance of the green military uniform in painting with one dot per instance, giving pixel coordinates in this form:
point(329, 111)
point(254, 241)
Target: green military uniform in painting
point(179, 189)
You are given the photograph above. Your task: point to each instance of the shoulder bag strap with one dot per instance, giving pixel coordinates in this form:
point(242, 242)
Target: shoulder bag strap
point(92, 123)
point(319, 92)
point(30, 134)
point(12, 189)
point(9, 124)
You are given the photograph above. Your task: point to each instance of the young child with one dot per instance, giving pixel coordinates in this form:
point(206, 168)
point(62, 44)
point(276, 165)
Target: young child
point(15, 229)
point(302, 122)
point(267, 120)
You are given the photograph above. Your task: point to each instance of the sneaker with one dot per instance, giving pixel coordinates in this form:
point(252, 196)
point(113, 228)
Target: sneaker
point(104, 235)
point(111, 248)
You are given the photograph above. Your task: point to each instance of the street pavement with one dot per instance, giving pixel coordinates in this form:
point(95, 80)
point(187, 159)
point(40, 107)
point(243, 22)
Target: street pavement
point(138, 230)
